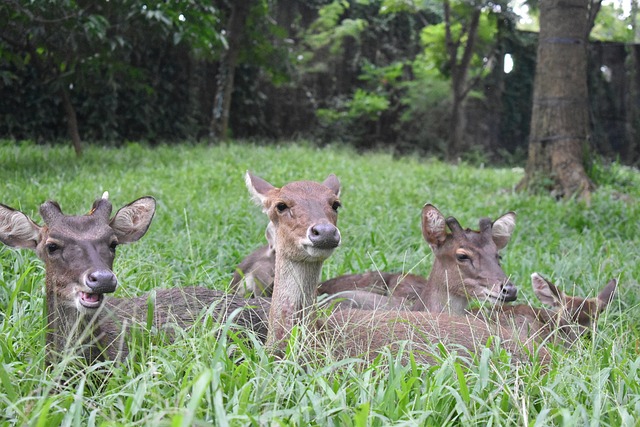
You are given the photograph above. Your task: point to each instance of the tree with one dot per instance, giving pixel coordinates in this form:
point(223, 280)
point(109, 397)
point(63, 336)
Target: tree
point(82, 54)
point(228, 63)
point(560, 114)
point(463, 48)
point(53, 37)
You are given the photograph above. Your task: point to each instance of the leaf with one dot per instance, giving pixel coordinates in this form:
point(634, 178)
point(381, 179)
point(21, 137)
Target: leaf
point(462, 382)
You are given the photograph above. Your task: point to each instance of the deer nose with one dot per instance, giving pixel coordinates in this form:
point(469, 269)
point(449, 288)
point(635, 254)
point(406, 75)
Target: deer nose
point(324, 236)
point(509, 292)
point(101, 281)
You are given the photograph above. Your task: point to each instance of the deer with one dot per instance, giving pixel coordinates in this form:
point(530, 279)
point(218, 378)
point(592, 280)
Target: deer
point(304, 215)
point(254, 275)
point(78, 253)
point(568, 317)
point(466, 266)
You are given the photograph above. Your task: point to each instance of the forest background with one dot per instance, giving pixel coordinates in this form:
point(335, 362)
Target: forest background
point(370, 73)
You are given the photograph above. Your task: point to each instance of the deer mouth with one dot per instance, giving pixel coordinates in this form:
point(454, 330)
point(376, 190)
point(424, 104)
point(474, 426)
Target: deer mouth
point(318, 253)
point(495, 297)
point(90, 300)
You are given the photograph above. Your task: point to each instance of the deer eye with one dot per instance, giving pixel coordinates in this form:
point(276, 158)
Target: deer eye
point(113, 246)
point(281, 207)
point(52, 247)
point(461, 256)
point(336, 205)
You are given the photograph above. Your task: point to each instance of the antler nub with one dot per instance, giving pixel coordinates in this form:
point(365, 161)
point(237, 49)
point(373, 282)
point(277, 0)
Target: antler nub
point(453, 224)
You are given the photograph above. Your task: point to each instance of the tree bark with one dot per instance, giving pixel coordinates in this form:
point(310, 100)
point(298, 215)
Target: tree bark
point(224, 84)
point(72, 121)
point(459, 68)
point(560, 113)
point(632, 63)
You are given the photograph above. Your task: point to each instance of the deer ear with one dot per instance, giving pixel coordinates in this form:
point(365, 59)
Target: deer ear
point(18, 230)
point(258, 188)
point(606, 295)
point(132, 221)
point(333, 183)
point(433, 225)
point(502, 229)
point(546, 291)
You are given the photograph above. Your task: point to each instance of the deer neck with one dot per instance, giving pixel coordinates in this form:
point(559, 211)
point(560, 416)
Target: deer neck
point(444, 292)
point(294, 295)
point(68, 328)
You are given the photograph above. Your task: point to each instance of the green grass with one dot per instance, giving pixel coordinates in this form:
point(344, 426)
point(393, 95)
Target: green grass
point(204, 225)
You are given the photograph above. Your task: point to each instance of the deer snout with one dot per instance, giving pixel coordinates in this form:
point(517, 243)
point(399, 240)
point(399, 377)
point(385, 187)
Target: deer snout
point(324, 236)
point(508, 292)
point(101, 281)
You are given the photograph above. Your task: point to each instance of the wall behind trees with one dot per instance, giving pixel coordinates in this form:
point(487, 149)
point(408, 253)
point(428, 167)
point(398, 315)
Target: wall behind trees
point(358, 78)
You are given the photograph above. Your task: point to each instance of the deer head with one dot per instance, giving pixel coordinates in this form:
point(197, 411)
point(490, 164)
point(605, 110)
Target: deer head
point(304, 215)
point(467, 262)
point(78, 251)
point(573, 310)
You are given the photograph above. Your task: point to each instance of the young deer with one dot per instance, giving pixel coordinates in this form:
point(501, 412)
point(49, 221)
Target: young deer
point(568, 318)
point(466, 266)
point(78, 252)
point(304, 216)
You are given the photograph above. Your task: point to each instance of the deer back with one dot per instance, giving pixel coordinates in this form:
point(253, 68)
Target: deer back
point(358, 333)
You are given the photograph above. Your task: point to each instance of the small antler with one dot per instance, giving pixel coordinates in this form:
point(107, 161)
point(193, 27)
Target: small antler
point(102, 207)
point(454, 225)
point(485, 224)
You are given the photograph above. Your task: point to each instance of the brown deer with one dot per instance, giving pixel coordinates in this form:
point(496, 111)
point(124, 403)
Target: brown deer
point(466, 266)
point(78, 252)
point(568, 318)
point(304, 215)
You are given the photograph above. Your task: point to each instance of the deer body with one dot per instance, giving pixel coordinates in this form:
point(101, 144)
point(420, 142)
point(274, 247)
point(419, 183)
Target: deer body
point(304, 216)
point(78, 252)
point(568, 318)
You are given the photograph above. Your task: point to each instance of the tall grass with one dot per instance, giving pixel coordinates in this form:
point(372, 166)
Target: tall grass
point(204, 225)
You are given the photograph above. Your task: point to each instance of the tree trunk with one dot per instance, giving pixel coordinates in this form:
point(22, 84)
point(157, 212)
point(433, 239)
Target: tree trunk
point(224, 83)
point(460, 86)
point(632, 62)
point(560, 113)
point(72, 121)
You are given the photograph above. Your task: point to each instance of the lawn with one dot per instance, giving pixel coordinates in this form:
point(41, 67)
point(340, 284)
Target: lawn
point(205, 223)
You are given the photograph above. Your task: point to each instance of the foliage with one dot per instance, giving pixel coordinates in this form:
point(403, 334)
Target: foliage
point(612, 25)
point(331, 29)
point(434, 41)
point(369, 72)
point(132, 68)
point(202, 379)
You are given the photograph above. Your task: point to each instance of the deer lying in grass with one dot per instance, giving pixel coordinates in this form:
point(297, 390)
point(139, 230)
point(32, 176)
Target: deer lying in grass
point(466, 266)
point(568, 318)
point(254, 275)
point(300, 253)
point(78, 252)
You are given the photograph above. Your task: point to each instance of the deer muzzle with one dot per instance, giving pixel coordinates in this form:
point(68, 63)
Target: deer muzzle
point(508, 292)
point(324, 236)
point(99, 282)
